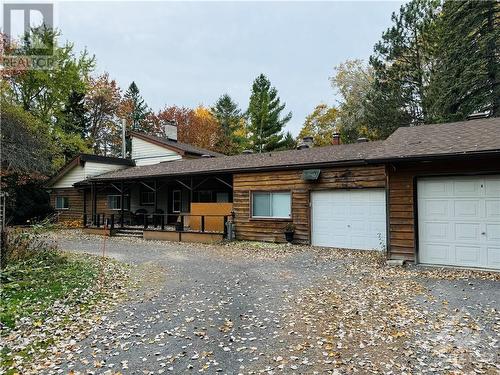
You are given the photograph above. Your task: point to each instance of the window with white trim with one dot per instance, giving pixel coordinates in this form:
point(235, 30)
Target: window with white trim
point(114, 202)
point(272, 205)
point(62, 203)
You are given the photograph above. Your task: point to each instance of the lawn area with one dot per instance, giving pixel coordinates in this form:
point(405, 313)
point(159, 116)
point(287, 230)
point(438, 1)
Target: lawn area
point(29, 288)
point(47, 292)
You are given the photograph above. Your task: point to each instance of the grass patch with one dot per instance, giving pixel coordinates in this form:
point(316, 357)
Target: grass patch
point(31, 286)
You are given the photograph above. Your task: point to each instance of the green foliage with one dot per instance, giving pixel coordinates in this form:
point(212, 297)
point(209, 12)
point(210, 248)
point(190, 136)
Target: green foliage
point(138, 108)
point(44, 93)
point(26, 142)
point(467, 73)
point(353, 82)
point(264, 115)
point(320, 124)
point(230, 120)
point(72, 118)
point(402, 64)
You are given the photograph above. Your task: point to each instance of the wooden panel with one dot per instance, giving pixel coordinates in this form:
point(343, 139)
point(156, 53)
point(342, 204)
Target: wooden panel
point(402, 215)
point(212, 224)
point(272, 229)
point(75, 198)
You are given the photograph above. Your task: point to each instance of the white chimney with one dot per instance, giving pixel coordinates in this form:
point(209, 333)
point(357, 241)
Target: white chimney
point(170, 130)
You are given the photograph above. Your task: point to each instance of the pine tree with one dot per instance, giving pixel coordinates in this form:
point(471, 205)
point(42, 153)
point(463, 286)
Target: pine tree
point(264, 116)
point(467, 79)
point(138, 108)
point(403, 64)
point(72, 119)
point(229, 117)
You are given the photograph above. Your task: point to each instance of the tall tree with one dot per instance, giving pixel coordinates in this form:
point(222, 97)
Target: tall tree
point(352, 81)
point(138, 110)
point(467, 78)
point(229, 117)
point(403, 62)
point(320, 124)
point(265, 116)
point(72, 119)
point(44, 93)
point(102, 104)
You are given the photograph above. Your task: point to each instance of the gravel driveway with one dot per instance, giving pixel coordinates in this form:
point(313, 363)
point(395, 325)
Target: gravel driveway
point(256, 308)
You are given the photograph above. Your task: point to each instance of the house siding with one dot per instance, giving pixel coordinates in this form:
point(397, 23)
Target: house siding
point(75, 197)
point(271, 230)
point(402, 197)
point(147, 153)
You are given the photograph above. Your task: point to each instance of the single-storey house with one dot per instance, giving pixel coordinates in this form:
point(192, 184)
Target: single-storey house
point(428, 194)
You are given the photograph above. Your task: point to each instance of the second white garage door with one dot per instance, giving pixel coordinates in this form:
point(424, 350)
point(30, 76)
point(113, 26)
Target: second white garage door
point(351, 219)
point(459, 221)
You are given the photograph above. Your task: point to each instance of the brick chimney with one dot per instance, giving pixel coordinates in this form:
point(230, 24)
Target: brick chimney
point(336, 139)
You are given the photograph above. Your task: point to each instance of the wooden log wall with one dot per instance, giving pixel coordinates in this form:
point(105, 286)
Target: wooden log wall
point(75, 197)
point(248, 228)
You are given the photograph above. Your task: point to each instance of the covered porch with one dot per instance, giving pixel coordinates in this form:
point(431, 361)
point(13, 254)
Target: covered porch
point(188, 207)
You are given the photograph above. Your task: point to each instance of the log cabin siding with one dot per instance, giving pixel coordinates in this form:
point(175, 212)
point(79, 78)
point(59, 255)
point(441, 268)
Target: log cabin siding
point(402, 197)
point(248, 228)
point(75, 198)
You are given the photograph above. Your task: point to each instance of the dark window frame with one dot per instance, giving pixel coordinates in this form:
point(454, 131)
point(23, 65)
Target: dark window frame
point(64, 206)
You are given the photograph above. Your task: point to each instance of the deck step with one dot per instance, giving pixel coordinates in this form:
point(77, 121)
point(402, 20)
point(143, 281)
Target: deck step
point(129, 233)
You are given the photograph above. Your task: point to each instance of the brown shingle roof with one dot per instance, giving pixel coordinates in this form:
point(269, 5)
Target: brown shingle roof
point(171, 144)
point(466, 137)
point(463, 137)
point(270, 160)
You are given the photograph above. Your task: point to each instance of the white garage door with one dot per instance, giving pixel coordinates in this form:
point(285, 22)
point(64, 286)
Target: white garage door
point(459, 221)
point(351, 219)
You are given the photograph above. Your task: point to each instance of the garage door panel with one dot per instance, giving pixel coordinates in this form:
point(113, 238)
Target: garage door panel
point(467, 188)
point(493, 209)
point(436, 189)
point(436, 253)
point(468, 255)
point(493, 232)
point(436, 209)
point(492, 186)
point(463, 228)
point(435, 231)
point(348, 218)
point(467, 231)
point(493, 256)
point(466, 208)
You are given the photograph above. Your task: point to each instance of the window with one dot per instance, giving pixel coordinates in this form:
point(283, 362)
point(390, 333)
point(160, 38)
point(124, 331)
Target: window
point(204, 196)
point(114, 202)
point(272, 205)
point(222, 197)
point(147, 198)
point(62, 203)
point(176, 201)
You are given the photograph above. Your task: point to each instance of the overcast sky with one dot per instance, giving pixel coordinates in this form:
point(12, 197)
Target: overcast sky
point(190, 53)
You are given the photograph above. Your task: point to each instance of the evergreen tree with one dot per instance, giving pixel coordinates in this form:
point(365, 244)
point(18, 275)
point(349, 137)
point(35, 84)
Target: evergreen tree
point(403, 64)
point(288, 143)
point(229, 117)
point(138, 109)
point(264, 116)
point(72, 119)
point(467, 79)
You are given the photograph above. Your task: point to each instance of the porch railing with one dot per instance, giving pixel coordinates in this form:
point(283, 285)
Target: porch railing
point(206, 223)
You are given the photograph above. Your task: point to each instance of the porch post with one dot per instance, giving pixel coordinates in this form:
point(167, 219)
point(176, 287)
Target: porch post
point(155, 218)
point(94, 202)
point(122, 201)
point(84, 207)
